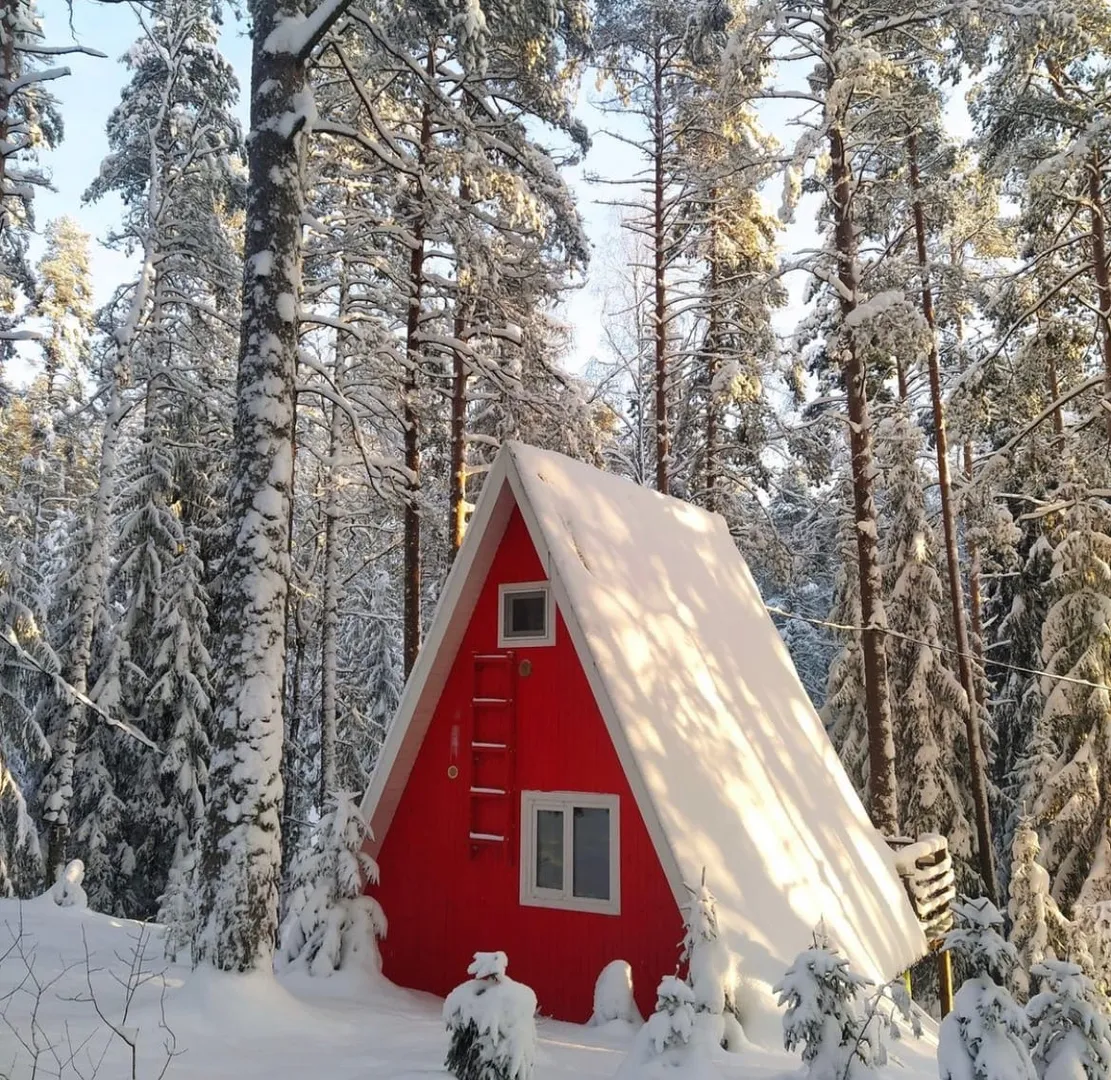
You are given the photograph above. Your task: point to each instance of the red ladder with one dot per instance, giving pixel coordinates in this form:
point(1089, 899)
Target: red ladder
point(492, 824)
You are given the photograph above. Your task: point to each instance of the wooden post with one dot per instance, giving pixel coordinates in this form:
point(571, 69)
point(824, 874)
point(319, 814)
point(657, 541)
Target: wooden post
point(945, 981)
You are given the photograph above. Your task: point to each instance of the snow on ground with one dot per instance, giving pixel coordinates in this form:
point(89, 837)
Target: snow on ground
point(258, 1026)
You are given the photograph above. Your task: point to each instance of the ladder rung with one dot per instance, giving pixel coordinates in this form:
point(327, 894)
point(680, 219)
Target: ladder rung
point(491, 701)
point(489, 746)
point(487, 791)
point(488, 838)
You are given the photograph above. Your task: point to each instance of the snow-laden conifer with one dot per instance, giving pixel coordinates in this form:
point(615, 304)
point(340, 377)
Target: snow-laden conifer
point(492, 1022)
point(985, 1035)
point(711, 972)
point(1068, 1022)
point(668, 1044)
point(613, 996)
point(840, 1028)
point(1072, 809)
point(330, 924)
point(928, 701)
point(1038, 929)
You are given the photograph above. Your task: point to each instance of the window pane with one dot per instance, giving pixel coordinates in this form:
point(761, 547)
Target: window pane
point(591, 851)
point(525, 614)
point(549, 849)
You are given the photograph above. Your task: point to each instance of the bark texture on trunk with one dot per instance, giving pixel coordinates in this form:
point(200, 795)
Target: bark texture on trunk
point(1102, 275)
point(457, 494)
point(411, 389)
point(241, 852)
point(973, 726)
point(882, 790)
point(659, 259)
point(329, 601)
point(713, 366)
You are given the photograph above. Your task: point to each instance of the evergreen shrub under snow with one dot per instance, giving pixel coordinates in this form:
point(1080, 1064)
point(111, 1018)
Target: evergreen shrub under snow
point(330, 924)
point(492, 1020)
point(710, 972)
point(841, 1029)
point(665, 1046)
point(1069, 1031)
point(985, 1035)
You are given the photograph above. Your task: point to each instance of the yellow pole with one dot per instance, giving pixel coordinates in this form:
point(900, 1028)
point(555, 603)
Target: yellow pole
point(945, 981)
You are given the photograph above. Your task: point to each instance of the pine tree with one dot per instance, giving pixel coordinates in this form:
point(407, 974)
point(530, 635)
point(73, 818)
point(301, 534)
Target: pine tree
point(667, 1041)
point(241, 850)
point(840, 1034)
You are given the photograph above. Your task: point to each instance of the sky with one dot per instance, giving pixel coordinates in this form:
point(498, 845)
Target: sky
point(92, 90)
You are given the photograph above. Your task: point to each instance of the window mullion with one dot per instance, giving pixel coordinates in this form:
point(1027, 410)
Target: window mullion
point(568, 853)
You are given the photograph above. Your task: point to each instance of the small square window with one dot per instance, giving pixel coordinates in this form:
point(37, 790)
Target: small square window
point(525, 616)
point(569, 856)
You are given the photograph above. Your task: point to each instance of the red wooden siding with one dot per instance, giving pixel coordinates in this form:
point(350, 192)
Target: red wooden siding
point(446, 898)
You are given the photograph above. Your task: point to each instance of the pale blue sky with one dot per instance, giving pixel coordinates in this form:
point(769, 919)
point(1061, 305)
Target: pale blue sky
point(92, 90)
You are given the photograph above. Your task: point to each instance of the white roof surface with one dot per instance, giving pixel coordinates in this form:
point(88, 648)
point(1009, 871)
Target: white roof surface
point(731, 767)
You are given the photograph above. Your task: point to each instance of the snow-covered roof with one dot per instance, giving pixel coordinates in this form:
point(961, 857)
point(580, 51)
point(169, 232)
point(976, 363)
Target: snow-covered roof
point(730, 765)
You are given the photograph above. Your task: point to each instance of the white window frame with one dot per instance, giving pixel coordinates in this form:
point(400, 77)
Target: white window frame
point(511, 641)
point(566, 801)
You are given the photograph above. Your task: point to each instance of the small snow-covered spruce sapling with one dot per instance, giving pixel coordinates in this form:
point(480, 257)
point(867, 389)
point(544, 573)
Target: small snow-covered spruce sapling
point(985, 1035)
point(710, 971)
point(841, 1027)
point(330, 924)
point(667, 1042)
point(492, 1021)
point(1069, 1033)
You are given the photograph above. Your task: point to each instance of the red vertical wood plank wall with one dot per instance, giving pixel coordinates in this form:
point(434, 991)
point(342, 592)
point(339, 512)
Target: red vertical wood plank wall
point(445, 903)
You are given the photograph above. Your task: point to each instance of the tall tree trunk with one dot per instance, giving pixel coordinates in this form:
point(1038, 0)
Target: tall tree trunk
point(975, 592)
point(882, 790)
point(241, 852)
point(1053, 385)
point(457, 496)
point(460, 372)
point(713, 366)
point(659, 260)
point(1102, 275)
point(973, 726)
point(75, 670)
point(410, 390)
point(329, 630)
point(292, 754)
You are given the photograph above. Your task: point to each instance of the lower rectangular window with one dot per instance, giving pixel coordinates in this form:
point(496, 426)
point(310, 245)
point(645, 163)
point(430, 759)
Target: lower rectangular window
point(569, 851)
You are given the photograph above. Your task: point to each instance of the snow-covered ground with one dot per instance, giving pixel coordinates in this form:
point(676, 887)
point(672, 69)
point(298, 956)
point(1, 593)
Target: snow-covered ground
point(257, 1026)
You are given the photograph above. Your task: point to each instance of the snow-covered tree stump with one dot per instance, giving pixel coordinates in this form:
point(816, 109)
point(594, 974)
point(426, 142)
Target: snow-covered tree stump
point(613, 996)
point(67, 890)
